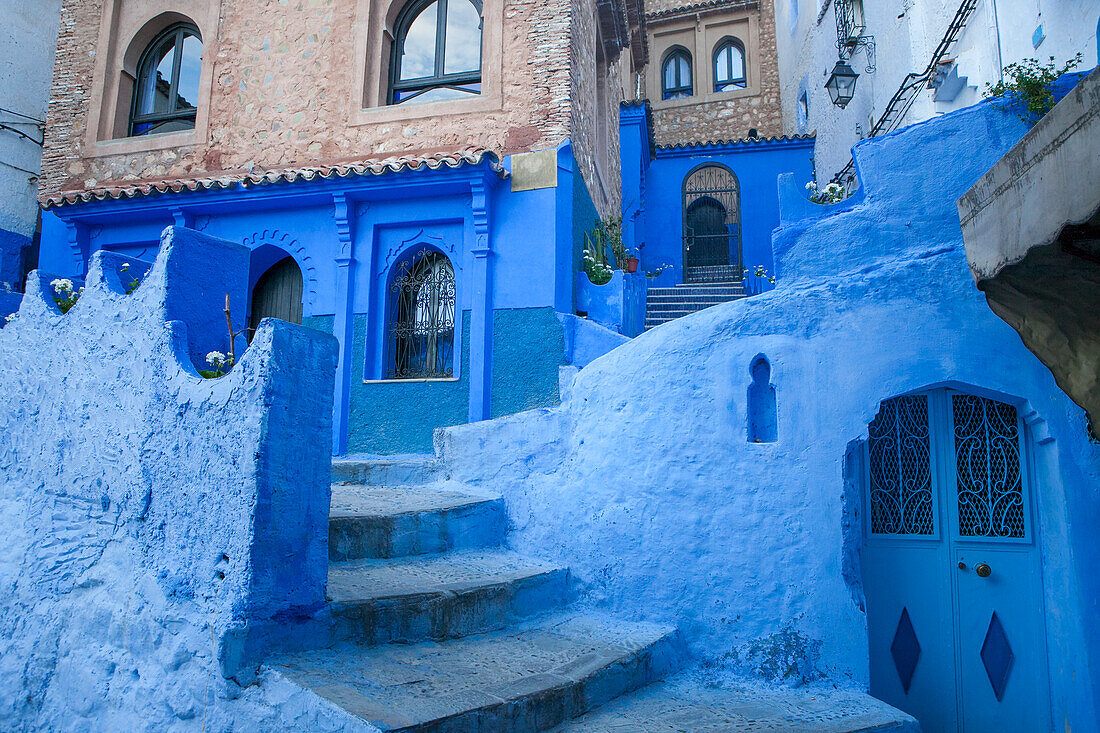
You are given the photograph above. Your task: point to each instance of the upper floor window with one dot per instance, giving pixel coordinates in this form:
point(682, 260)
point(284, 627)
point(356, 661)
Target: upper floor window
point(729, 66)
point(168, 82)
point(437, 51)
point(676, 75)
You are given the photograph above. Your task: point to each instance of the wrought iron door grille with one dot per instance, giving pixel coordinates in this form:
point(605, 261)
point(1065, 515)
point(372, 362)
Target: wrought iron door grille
point(987, 463)
point(712, 218)
point(900, 467)
point(422, 320)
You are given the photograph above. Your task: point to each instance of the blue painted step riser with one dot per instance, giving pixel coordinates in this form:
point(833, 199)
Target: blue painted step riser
point(385, 473)
point(482, 524)
point(441, 616)
point(535, 705)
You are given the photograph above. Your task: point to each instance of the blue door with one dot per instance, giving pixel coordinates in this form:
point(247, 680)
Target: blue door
point(951, 569)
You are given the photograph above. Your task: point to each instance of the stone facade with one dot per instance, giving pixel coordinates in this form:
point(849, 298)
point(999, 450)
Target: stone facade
point(286, 92)
point(708, 116)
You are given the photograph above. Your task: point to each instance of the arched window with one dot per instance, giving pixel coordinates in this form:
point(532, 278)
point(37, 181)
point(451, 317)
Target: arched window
point(676, 75)
point(422, 318)
point(167, 88)
point(437, 51)
point(729, 65)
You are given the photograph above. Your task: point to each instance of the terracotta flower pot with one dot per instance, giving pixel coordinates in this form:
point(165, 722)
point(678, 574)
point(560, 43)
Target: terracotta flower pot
point(631, 264)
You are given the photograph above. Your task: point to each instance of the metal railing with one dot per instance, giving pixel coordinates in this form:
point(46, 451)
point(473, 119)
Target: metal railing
point(911, 86)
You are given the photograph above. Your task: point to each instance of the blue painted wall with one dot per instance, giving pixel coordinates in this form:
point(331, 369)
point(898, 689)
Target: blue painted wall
point(348, 236)
point(653, 191)
point(648, 462)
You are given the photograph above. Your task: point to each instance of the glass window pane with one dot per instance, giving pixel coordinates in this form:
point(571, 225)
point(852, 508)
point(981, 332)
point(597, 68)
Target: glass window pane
point(418, 50)
point(670, 73)
point(722, 65)
point(685, 71)
point(156, 81)
point(187, 92)
point(436, 94)
point(463, 43)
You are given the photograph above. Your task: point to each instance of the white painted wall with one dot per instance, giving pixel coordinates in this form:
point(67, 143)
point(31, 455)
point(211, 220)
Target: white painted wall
point(906, 33)
point(28, 37)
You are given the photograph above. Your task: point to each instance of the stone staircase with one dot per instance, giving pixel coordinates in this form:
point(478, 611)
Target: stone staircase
point(433, 626)
point(702, 288)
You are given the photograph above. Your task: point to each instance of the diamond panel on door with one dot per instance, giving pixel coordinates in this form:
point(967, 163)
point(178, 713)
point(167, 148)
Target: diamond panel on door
point(997, 656)
point(905, 650)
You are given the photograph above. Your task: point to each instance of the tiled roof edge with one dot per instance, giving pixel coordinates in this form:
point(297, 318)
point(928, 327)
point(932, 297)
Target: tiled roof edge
point(433, 161)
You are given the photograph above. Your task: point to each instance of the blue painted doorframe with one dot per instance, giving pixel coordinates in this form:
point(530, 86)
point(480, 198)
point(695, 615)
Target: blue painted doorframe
point(951, 566)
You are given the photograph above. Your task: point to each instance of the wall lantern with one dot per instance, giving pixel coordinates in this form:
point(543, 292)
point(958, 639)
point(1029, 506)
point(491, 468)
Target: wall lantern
point(842, 84)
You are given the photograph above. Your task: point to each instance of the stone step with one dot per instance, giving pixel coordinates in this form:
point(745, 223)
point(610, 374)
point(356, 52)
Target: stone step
point(653, 315)
point(688, 704)
point(378, 522)
point(687, 306)
point(520, 681)
point(680, 290)
point(437, 597)
point(403, 470)
point(689, 298)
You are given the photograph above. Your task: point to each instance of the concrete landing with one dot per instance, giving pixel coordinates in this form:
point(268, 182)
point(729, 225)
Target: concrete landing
point(687, 704)
point(528, 679)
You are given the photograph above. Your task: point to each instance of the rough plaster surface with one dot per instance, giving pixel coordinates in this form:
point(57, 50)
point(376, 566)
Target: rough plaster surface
point(644, 484)
point(150, 513)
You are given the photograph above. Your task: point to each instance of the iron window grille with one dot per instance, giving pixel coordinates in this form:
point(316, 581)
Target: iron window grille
point(676, 80)
point(729, 66)
point(422, 320)
point(166, 93)
point(434, 51)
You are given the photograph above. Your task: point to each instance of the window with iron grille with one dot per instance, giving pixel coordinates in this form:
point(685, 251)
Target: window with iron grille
point(166, 95)
point(422, 318)
point(436, 51)
point(676, 74)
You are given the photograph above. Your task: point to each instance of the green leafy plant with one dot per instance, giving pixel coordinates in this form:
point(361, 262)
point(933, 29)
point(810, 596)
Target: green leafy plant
point(64, 294)
point(596, 243)
point(1029, 85)
point(833, 193)
point(220, 362)
point(134, 280)
point(761, 272)
point(657, 272)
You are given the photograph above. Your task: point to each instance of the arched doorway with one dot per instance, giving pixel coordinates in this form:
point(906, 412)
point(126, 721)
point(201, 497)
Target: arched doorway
point(277, 294)
point(951, 565)
point(712, 219)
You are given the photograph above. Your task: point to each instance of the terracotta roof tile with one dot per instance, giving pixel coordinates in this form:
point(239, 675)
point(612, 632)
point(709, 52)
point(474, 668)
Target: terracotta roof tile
point(134, 189)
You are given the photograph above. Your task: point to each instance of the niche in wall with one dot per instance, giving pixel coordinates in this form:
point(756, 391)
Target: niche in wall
point(763, 423)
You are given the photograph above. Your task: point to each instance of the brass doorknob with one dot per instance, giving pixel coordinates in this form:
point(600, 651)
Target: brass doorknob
point(983, 570)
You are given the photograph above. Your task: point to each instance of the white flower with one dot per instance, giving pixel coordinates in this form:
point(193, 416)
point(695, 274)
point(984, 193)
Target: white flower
point(125, 266)
point(9, 318)
point(215, 358)
point(811, 186)
point(62, 285)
